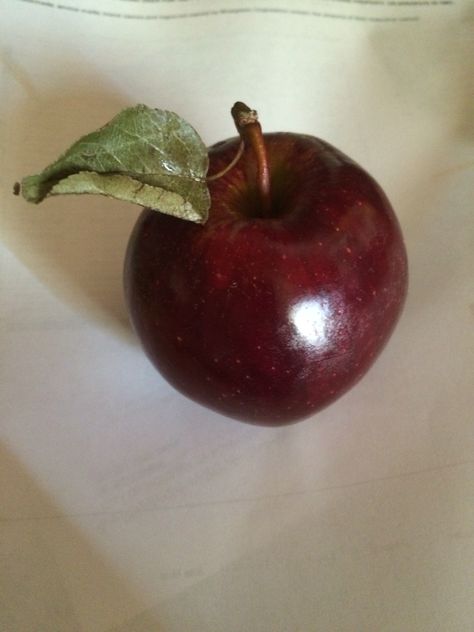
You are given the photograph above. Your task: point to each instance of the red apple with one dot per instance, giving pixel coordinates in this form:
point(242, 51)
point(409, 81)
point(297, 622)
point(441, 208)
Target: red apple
point(269, 312)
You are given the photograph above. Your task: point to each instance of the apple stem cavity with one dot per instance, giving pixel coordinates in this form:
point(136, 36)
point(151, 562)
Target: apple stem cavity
point(250, 130)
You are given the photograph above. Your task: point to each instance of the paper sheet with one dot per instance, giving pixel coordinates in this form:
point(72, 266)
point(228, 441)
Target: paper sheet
point(123, 506)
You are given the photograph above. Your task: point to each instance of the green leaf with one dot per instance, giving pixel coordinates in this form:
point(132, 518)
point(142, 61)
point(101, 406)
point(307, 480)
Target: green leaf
point(147, 156)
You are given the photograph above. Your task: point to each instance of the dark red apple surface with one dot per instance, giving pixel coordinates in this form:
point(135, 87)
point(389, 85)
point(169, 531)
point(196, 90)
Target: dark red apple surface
point(269, 319)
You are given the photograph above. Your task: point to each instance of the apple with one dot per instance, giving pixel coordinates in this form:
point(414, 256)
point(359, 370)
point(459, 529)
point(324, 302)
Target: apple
point(272, 275)
point(284, 298)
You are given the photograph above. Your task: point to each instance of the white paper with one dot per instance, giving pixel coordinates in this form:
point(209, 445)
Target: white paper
point(125, 507)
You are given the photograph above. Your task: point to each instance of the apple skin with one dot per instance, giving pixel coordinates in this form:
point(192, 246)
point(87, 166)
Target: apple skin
point(269, 319)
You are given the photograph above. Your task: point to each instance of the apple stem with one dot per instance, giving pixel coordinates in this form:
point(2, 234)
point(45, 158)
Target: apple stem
point(250, 130)
point(232, 163)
